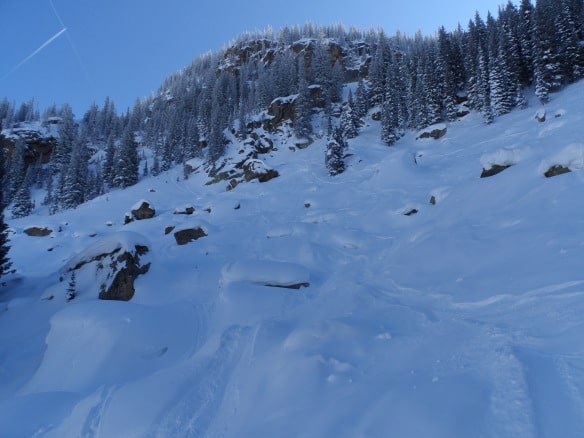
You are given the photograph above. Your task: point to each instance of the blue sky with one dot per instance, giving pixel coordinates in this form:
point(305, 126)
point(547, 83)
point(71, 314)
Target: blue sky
point(125, 48)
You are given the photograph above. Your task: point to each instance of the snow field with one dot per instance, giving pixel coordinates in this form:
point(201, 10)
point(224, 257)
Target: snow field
point(461, 320)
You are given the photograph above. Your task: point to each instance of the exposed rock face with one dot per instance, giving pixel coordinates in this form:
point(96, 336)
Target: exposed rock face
point(143, 211)
point(494, 170)
point(556, 170)
point(282, 108)
point(38, 232)
point(189, 235)
point(127, 267)
point(433, 200)
point(40, 145)
point(411, 212)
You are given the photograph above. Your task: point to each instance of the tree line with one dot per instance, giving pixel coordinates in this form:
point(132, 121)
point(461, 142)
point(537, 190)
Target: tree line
point(410, 82)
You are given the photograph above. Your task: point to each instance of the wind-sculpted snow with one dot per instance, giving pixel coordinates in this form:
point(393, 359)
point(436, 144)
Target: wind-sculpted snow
point(462, 320)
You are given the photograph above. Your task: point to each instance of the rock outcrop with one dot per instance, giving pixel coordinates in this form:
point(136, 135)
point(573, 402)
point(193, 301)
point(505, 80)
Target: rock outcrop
point(282, 108)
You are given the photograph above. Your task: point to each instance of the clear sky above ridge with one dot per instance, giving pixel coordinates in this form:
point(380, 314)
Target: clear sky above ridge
point(126, 48)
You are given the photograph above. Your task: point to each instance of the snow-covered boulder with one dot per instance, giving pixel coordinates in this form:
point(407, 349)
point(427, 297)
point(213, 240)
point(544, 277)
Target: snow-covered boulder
point(540, 115)
point(569, 159)
point(254, 168)
point(143, 210)
point(110, 265)
point(496, 162)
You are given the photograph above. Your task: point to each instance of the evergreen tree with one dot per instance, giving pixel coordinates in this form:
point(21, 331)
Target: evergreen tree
point(108, 164)
point(361, 101)
point(22, 204)
point(303, 112)
point(75, 187)
point(127, 162)
point(348, 122)
point(334, 154)
point(5, 263)
point(377, 70)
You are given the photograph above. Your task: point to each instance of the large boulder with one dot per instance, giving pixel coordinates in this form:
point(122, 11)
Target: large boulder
point(110, 266)
point(143, 210)
point(127, 267)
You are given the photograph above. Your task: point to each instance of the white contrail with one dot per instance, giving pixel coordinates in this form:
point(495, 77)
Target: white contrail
point(57, 14)
point(29, 57)
point(75, 51)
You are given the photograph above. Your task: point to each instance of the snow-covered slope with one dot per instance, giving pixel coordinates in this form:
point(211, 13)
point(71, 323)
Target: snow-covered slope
point(462, 320)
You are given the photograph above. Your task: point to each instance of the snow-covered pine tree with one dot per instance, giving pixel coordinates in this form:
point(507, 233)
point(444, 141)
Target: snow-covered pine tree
point(127, 162)
point(22, 204)
point(75, 187)
point(334, 153)
point(361, 101)
point(108, 164)
point(347, 123)
point(377, 70)
point(548, 71)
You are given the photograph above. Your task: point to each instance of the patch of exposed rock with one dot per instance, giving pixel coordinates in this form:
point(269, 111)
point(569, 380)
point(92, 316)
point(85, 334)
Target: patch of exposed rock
point(38, 232)
point(494, 170)
point(189, 235)
point(436, 132)
point(556, 170)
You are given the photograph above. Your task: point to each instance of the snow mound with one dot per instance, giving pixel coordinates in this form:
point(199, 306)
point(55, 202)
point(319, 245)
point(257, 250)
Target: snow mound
point(269, 273)
point(502, 157)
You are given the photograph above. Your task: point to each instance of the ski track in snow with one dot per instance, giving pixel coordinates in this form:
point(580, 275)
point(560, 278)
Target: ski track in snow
point(192, 414)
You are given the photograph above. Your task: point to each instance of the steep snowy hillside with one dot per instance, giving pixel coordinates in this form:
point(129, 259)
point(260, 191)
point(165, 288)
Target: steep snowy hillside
point(406, 297)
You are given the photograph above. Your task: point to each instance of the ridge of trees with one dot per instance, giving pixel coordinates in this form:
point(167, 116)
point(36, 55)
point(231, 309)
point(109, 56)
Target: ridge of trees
point(412, 82)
